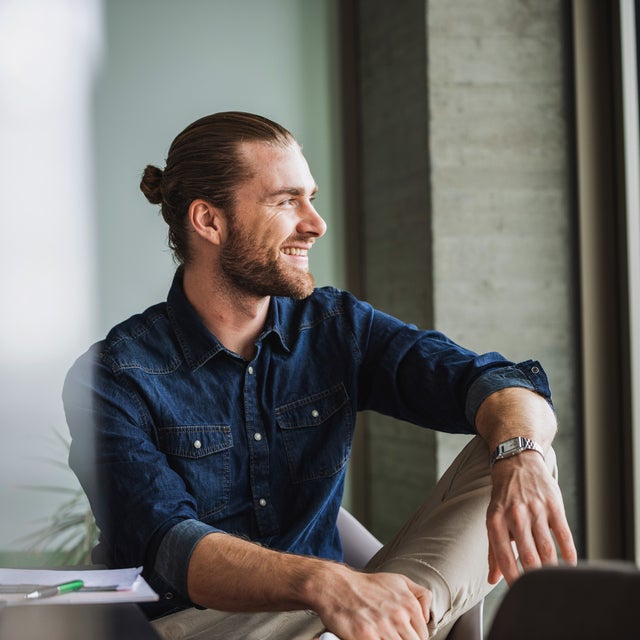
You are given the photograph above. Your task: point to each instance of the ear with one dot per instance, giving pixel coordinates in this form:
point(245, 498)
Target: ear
point(207, 221)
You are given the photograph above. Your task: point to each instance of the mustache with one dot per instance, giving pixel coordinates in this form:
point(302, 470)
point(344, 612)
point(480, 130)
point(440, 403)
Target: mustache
point(299, 238)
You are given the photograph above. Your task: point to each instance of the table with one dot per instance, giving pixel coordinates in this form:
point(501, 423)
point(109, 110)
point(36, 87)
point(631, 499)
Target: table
point(122, 621)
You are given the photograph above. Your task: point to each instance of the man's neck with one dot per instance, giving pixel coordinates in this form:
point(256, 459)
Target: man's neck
point(235, 318)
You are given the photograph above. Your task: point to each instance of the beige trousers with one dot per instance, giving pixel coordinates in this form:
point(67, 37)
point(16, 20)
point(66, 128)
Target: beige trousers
point(443, 546)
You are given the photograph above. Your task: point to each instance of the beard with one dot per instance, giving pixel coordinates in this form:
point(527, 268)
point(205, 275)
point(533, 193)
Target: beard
point(256, 270)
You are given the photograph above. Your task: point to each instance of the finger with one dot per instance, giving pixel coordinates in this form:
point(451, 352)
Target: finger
point(502, 551)
point(396, 627)
point(423, 596)
point(544, 542)
point(567, 547)
point(494, 571)
point(409, 625)
point(523, 537)
point(419, 624)
point(560, 527)
point(422, 616)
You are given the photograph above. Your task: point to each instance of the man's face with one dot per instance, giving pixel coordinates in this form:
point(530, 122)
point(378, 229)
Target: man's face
point(273, 224)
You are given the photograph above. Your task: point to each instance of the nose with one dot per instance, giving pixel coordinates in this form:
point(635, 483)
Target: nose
point(311, 222)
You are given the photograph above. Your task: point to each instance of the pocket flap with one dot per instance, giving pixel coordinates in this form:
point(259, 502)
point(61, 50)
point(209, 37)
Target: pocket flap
point(195, 441)
point(312, 410)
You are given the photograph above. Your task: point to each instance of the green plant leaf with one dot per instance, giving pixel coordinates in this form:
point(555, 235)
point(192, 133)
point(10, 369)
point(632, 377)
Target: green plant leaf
point(70, 533)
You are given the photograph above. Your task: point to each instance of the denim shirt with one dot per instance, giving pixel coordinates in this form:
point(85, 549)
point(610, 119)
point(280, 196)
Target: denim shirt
point(175, 437)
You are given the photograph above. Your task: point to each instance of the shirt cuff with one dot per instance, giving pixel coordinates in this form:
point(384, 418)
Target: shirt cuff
point(174, 552)
point(528, 375)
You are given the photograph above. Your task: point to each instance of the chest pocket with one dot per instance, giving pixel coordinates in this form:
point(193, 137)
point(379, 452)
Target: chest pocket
point(317, 432)
point(201, 456)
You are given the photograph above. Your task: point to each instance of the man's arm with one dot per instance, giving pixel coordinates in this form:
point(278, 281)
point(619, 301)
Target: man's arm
point(231, 574)
point(526, 505)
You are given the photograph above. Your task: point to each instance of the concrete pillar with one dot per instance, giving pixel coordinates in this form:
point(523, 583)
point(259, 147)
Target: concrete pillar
point(396, 232)
point(467, 218)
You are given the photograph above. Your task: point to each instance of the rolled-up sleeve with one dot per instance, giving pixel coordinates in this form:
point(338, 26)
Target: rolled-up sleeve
point(174, 552)
point(426, 378)
point(528, 375)
point(115, 455)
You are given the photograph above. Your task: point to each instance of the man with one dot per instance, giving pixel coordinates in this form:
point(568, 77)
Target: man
point(223, 422)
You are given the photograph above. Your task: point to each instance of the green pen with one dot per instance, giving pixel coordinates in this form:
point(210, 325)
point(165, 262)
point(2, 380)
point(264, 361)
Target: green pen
point(47, 592)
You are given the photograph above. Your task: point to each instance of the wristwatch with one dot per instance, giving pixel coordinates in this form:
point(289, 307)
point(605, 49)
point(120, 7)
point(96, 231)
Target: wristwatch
point(513, 447)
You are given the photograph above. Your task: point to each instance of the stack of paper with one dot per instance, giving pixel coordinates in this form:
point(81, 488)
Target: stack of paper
point(100, 586)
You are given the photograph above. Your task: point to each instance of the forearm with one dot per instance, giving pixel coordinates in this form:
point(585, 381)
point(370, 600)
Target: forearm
point(232, 574)
point(515, 412)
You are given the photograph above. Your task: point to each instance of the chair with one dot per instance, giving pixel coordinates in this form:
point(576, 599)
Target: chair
point(360, 545)
point(590, 601)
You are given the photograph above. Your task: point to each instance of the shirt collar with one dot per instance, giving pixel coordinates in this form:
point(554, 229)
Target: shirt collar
point(274, 323)
point(197, 343)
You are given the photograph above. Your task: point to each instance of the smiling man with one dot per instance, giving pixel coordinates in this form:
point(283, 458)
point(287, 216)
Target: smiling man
point(212, 431)
point(268, 245)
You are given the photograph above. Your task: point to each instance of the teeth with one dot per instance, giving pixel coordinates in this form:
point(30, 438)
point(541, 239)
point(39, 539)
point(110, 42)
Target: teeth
point(292, 251)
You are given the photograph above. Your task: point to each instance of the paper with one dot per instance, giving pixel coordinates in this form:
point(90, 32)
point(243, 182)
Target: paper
point(100, 586)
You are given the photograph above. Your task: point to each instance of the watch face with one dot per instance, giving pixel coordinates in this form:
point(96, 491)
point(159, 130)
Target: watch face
point(514, 446)
point(511, 445)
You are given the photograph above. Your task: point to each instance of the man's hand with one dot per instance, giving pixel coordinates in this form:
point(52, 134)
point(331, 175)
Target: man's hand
point(526, 506)
point(373, 606)
point(231, 574)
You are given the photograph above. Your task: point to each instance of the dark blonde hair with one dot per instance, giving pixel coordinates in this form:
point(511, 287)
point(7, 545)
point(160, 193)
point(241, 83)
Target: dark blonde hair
point(203, 162)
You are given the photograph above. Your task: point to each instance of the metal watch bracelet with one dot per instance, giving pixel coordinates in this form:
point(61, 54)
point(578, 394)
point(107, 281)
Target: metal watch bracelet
point(514, 446)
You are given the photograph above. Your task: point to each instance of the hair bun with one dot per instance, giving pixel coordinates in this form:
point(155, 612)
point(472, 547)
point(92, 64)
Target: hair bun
point(151, 184)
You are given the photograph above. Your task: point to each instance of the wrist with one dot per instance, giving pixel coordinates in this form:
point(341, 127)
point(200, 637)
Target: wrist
point(516, 412)
point(318, 585)
point(514, 446)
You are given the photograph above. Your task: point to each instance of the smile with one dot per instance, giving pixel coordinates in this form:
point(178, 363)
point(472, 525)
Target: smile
point(293, 251)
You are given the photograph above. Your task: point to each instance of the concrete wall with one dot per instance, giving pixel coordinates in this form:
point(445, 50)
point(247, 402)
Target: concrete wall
point(472, 233)
point(503, 225)
point(397, 235)
point(502, 221)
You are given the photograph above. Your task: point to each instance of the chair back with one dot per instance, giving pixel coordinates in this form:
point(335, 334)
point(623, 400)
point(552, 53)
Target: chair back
point(589, 602)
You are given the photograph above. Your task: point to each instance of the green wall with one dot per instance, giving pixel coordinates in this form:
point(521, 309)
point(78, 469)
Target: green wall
point(94, 92)
point(168, 63)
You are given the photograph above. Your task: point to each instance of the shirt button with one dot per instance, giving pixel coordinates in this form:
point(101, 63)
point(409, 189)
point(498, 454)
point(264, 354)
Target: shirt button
point(250, 371)
point(257, 437)
point(197, 444)
point(535, 370)
point(262, 502)
point(315, 413)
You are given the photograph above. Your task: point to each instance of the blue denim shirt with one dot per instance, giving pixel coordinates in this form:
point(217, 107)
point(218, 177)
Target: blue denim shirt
point(175, 437)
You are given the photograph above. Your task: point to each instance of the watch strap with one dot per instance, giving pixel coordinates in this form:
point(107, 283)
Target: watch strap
point(513, 447)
